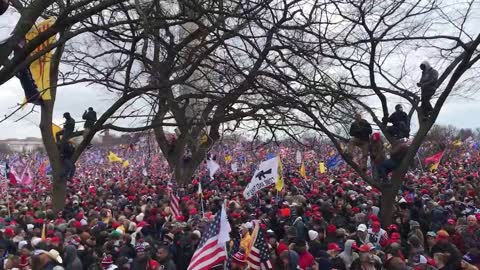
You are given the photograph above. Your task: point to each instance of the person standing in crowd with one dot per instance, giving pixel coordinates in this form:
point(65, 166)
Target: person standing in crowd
point(306, 260)
point(360, 132)
point(348, 254)
point(471, 234)
point(428, 85)
point(163, 257)
point(361, 236)
point(72, 262)
point(377, 236)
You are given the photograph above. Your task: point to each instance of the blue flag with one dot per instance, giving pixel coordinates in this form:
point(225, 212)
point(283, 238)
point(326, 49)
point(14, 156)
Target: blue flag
point(334, 161)
point(270, 156)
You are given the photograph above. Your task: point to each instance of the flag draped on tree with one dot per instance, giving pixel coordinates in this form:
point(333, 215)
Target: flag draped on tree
point(55, 130)
point(211, 249)
point(35, 79)
point(259, 257)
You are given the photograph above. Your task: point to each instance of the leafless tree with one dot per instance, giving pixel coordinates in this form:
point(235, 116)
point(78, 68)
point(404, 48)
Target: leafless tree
point(352, 55)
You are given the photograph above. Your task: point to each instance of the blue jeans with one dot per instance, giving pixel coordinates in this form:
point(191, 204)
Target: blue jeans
point(68, 169)
point(386, 167)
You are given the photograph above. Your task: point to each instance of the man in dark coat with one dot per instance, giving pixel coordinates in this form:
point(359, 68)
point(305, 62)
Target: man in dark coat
point(428, 84)
point(360, 132)
point(68, 128)
point(400, 125)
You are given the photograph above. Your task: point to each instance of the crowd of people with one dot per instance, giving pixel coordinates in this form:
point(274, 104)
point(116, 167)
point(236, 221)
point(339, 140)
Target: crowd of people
point(121, 217)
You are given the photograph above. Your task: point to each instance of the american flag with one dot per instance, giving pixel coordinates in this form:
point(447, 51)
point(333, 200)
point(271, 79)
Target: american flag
point(174, 201)
point(210, 251)
point(259, 258)
point(235, 248)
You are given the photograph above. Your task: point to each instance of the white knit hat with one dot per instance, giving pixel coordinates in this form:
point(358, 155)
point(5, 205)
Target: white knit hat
point(312, 235)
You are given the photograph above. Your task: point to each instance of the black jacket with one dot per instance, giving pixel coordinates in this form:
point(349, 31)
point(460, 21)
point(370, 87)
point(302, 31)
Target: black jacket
point(398, 119)
point(361, 130)
point(69, 127)
point(90, 118)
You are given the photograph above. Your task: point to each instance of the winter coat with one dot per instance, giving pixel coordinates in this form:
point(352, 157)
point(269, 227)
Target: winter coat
point(72, 261)
point(90, 118)
point(302, 232)
point(361, 130)
point(428, 82)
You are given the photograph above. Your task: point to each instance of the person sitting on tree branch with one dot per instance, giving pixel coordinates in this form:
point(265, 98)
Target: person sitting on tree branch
point(400, 125)
point(398, 152)
point(360, 132)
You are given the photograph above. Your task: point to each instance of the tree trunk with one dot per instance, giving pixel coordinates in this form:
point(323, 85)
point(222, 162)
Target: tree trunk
point(59, 191)
point(184, 170)
point(386, 205)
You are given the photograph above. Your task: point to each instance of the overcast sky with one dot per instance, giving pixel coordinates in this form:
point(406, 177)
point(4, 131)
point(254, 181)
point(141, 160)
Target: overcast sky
point(458, 111)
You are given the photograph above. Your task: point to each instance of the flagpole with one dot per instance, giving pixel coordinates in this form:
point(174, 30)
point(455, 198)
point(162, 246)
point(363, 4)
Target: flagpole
point(420, 162)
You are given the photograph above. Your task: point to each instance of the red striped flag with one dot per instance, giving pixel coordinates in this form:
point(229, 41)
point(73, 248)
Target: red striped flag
point(258, 258)
point(174, 205)
point(174, 201)
point(211, 250)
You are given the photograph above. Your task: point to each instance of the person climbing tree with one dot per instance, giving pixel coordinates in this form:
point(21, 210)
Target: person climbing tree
point(428, 84)
point(398, 152)
point(377, 152)
point(360, 132)
point(67, 150)
point(400, 125)
point(30, 88)
point(68, 127)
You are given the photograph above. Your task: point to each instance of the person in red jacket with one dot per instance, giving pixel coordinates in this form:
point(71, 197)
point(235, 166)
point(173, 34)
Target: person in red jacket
point(306, 260)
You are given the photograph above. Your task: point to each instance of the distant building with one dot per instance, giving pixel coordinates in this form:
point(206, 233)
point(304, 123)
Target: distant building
point(28, 144)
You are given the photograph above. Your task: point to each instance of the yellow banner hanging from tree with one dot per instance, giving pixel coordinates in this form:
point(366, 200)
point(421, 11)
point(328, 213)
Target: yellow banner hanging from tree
point(40, 68)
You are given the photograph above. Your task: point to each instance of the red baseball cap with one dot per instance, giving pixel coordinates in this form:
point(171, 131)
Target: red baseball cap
point(364, 248)
point(334, 246)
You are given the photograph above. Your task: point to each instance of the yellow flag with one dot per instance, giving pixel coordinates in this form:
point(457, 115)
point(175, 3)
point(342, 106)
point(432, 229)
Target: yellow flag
point(302, 171)
point(321, 167)
point(228, 158)
point(457, 143)
point(113, 158)
point(55, 130)
point(280, 183)
point(126, 164)
point(40, 68)
point(434, 166)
